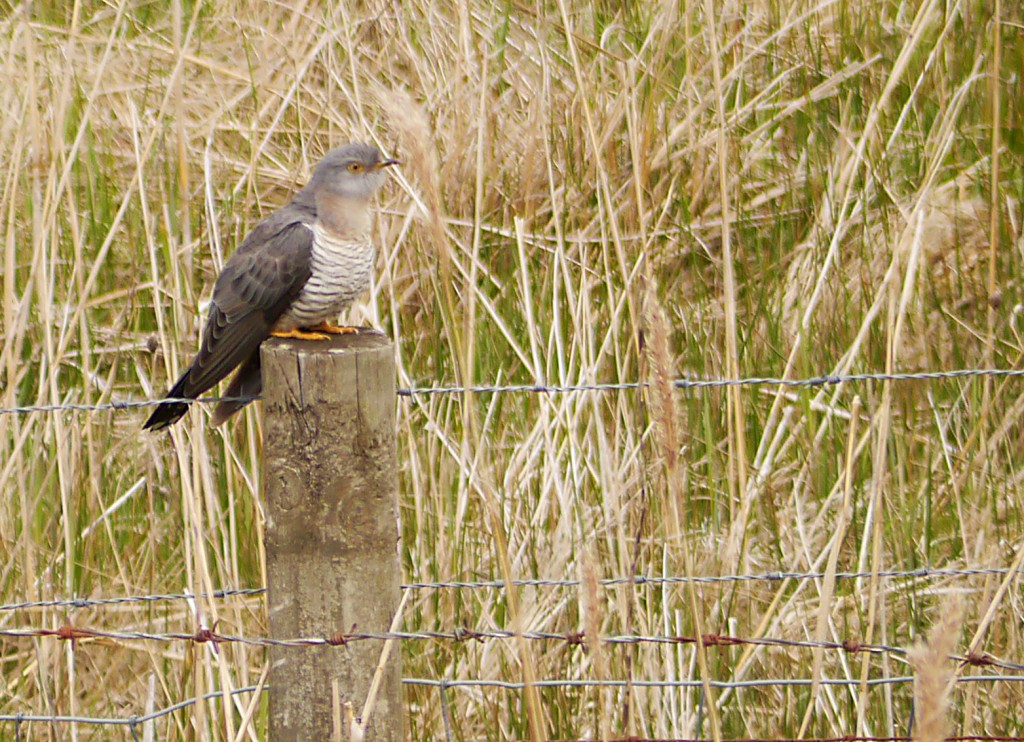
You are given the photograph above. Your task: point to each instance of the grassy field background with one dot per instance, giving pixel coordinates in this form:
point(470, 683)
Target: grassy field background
point(592, 192)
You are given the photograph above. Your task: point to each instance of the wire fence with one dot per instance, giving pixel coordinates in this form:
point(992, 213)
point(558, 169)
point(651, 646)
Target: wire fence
point(570, 639)
point(683, 384)
point(998, 670)
point(995, 670)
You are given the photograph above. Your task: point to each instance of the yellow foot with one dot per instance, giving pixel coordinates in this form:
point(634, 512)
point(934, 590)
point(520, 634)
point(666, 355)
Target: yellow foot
point(334, 329)
point(300, 335)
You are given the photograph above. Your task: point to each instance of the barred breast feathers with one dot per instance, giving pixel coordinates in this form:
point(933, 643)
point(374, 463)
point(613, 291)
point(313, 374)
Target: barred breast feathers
point(340, 270)
point(347, 261)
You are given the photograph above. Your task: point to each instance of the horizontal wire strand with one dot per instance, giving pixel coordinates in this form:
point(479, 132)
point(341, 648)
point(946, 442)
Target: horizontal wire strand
point(684, 384)
point(137, 720)
point(638, 580)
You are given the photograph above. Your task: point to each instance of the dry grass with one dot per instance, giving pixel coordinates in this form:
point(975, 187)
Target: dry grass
point(934, 677)
point(791, 188)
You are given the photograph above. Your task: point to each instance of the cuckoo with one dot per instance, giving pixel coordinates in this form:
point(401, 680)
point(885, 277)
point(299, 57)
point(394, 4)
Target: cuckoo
point(291, 277)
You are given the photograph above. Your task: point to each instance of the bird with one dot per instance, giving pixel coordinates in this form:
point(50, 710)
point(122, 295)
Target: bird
point(294, 273)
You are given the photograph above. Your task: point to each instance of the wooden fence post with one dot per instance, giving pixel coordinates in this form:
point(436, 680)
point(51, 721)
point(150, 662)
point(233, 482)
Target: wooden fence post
point(330, 492)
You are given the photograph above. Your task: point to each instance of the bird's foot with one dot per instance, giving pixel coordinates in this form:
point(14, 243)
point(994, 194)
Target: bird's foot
point(335, 329)
point(298, 334)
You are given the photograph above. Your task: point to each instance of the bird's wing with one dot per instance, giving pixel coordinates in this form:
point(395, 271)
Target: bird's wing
point(257, 284)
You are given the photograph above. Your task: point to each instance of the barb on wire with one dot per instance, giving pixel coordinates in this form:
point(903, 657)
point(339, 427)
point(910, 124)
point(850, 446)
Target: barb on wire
point(684, 383)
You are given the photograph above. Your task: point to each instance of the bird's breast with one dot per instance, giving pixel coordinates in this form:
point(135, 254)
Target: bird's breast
point(340, 270)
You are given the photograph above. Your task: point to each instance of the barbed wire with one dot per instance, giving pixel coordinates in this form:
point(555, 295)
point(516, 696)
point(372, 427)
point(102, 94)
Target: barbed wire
point(683, 383)
point(460, 635)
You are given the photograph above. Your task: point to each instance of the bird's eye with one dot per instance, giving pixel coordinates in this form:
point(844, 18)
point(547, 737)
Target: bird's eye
point(355, 167)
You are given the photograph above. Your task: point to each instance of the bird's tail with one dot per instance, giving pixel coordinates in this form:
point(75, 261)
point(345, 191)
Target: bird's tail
point(169, 413)
point(244, 387)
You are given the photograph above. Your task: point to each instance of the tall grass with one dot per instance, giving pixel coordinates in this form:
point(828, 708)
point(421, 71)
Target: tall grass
point(592, 193)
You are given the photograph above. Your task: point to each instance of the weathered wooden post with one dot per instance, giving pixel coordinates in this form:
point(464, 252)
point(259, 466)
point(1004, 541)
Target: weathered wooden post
point(330, 490)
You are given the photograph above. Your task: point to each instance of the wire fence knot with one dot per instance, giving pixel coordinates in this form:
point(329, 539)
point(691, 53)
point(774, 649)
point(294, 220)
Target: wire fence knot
point(577, 639)
point(67, 632)
point(464, 633)
point(716, 640)
point(338, 639)
point(133, 727)
point(203, 636)
point(982, 659)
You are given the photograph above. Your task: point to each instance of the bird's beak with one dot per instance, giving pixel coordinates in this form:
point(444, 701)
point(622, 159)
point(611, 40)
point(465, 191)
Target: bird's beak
point(386, 163)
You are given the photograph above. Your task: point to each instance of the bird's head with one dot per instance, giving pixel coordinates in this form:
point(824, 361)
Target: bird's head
point(351, 171)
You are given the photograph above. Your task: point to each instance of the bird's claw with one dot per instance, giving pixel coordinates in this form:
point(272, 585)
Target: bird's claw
point(297, 334)
point(335, 329)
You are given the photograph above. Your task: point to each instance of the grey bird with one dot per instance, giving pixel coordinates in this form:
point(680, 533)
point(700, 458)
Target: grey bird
point(291, 277)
